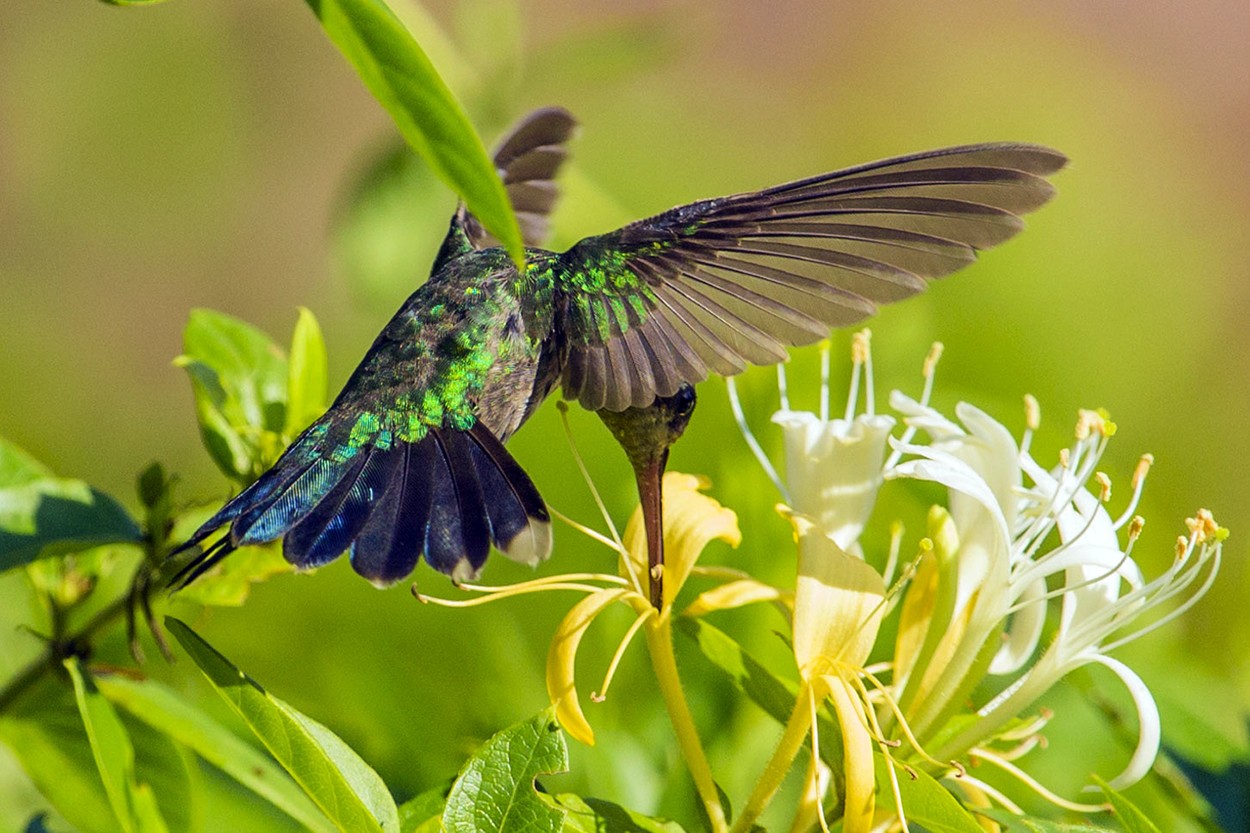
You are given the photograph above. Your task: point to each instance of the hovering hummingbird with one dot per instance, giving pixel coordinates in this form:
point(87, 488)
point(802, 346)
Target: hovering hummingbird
point(409, 460)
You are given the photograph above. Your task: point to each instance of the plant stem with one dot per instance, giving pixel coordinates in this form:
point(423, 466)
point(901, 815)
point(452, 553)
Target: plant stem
point(779, 764)
point(58, 649)
point(664, 663)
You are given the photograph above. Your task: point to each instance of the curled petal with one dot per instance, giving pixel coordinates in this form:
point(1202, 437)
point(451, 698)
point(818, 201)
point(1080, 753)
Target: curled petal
point(692, 520)
point(1148, 723)
point(561, 661)
point(737, 594)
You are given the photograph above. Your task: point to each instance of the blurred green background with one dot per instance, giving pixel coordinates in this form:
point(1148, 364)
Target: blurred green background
point(212, 153)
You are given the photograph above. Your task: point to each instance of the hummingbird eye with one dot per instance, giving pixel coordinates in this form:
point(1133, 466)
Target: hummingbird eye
point(684, 400)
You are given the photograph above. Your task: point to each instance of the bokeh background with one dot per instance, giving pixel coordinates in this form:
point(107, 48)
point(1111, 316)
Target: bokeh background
point(220, 153)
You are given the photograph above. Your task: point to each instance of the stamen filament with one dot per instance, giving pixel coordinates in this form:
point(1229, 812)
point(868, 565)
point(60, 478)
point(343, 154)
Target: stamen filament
point(1030, 782)
point(639, 621)
point(735, 405)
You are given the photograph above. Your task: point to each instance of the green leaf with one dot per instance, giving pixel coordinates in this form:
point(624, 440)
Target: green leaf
point(17, 468)
point(346, 789)
point(925, 801)
point(1031, 824)
point(133, 805)
point(494, 793)
point(42, 516)
point(423, 808)
point(400, 76)
point(771, 693)
point(48, 739)
point(306, 380)
point(239, 378)
point(591, 815)
point(1130, 815)
point(166, 712)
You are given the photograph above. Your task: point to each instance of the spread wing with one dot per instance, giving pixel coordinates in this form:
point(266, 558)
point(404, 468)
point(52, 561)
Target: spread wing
point(723, 283)
point(528, 159)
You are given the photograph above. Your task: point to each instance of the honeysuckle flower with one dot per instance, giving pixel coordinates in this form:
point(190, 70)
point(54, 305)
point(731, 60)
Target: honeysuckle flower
point(833, 467)
point(692, 520)
point(1013, 539)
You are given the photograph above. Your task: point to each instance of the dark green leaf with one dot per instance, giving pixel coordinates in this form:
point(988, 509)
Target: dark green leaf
point(770, 692)
point(165, 711)
point(133, 804)
point(494, 793)
point(591, 815)
point(306, 381)
point(152, 485)
point(239, 378)
point(346, 789)
point(42, 516)
point(57, 517)
point(1130, 815)
point(925, 801)
point(402, 79)
point(1031, 824)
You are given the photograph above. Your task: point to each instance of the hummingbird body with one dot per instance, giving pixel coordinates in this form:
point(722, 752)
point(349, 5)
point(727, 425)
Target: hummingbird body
point(409, 462)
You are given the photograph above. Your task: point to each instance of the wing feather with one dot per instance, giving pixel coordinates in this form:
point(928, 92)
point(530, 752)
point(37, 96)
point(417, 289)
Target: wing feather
point(723, 283)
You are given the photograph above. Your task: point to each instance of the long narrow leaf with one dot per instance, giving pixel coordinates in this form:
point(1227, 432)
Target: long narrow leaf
point(166, 712)
point(396, 70)
point(133, 804)
point(346, 789)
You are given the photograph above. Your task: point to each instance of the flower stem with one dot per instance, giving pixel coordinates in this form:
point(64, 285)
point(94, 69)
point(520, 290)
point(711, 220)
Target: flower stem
point(660, 645)
point(779, 764)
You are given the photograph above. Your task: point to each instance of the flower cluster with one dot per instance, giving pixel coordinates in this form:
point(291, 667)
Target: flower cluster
point(1015, 539)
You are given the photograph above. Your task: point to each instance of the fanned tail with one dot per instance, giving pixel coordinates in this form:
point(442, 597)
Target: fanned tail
point(449, 497)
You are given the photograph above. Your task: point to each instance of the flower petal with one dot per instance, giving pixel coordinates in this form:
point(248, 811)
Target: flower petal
point(737, 594)
point(861, 781)
point(838, 603)
point(834, 469)
point(1148, 724)
point(692, 520)
point(561, 661)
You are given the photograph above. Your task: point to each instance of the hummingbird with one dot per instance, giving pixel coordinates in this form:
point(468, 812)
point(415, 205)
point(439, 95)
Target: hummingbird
point(409, 461)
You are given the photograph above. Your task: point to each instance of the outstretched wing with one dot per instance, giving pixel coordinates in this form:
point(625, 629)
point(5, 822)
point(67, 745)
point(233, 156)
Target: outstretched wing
point(528, 159)
point(723, 283)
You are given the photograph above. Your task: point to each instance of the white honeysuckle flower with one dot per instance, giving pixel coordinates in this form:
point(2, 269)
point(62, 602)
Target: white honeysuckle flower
point(833, 467)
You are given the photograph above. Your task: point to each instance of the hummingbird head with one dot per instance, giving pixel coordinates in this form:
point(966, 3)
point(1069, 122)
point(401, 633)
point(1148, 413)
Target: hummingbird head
point(647, 433)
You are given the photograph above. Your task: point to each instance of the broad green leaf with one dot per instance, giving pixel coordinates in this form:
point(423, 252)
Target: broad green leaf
point(166, 712)
point(346, 789)
point(1012, 823)
point(239, 378)
point(306, 380)
point(494, 793)
point(42, 515)
point(133, 804)
point(590, 815)
point(17, 468)
point(47, 737)
point(400, 76)
point(925, 801)
point(423, 808)
point(1129, 814)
